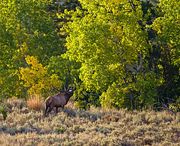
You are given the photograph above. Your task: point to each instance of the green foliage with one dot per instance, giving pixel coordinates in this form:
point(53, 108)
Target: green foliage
point(175, 107)
point(109, 40)
point(66, 70)
point(36, 77)
point(114, 96)
point(168, 29)
point(26, 28)
point(84, 98)
point(135, 95)
point(118, 53)
point(3, 111)
point(147, 89)
point(105, 38)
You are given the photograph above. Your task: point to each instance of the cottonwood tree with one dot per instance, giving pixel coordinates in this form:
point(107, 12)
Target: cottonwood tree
point(26, 28)
point(106, 38)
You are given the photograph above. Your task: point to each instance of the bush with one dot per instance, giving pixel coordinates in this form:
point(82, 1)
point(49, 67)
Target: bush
point(3, 112)
point(35, 102)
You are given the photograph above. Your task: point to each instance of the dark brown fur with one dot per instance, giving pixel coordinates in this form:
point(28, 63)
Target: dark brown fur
point(58, 100)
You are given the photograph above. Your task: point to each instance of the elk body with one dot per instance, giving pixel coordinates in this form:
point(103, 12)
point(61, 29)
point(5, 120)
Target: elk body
point(58, 100)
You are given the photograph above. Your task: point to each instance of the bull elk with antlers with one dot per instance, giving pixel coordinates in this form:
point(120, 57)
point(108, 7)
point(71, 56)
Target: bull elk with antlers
point(58, 100)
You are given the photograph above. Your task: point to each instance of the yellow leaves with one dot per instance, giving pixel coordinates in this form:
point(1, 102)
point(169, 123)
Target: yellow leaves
point(125, 90)
point(157, 25)
point(117, 30)
point(115, 2)
point(113, 67)
point(113, 96)
point(36, 77)
point(54, 81)
point(31, 60)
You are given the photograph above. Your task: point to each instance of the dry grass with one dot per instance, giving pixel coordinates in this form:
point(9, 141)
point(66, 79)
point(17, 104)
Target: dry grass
point(35, 102)
point(93, 127)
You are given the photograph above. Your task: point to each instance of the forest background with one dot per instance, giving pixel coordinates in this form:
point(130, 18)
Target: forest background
point(116, 53)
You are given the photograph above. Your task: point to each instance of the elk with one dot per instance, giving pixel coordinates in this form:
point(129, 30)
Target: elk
point(58, 100)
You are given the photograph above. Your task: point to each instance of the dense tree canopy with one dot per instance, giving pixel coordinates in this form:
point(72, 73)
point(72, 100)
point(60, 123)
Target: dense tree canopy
point(118, 53)
point(26, 29)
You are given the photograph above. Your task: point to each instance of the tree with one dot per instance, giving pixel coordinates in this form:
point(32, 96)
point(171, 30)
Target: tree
point(106, 38)
point(168, 29)
point(26, 29)
point(37, 79)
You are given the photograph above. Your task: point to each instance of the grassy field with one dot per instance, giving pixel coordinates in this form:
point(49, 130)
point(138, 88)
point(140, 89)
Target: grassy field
point(94, 127)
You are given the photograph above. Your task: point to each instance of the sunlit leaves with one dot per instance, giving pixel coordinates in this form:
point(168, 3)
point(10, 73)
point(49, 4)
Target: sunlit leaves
point(168, 25)
point(36, 77)
point(104, 38)
point(26, 28)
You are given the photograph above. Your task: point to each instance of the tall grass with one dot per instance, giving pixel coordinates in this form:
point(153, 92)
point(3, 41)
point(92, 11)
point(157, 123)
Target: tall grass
point(35, 102)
